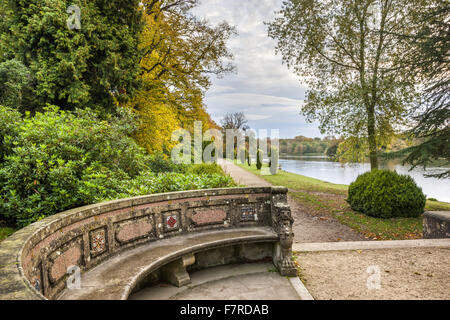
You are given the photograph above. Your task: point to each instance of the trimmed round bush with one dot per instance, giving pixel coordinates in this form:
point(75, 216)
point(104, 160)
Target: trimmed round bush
point(386, 194)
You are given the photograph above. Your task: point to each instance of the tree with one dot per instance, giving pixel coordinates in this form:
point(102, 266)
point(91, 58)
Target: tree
point(92, 66)
point(236, 121)
point(430, 59)
point(348, 55)
point(180, 52)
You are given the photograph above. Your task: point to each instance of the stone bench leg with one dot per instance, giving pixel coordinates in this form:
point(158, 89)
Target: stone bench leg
point(175, 273)
point(282, 223)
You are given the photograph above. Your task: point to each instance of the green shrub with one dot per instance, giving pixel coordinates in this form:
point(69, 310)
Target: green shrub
point(149, 183)
point(158, 164)
point(259, 159)
point(386, 194)
point(59, 160)
point(206, 168)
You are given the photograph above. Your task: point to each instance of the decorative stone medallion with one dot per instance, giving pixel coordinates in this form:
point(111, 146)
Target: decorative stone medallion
point(171, 221)
point(37, 285)
point(248, 214)
point(98, 241)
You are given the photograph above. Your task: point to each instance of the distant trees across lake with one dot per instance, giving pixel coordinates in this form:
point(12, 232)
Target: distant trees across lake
point(300, 146)
point(332, 147)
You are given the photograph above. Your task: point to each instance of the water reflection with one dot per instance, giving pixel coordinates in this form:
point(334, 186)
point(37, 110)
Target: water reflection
point(323, 169)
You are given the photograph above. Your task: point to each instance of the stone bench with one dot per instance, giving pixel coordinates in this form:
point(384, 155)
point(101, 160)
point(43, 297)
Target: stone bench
point(122, 245)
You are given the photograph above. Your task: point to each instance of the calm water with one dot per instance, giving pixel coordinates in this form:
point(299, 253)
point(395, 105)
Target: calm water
point(321, 168)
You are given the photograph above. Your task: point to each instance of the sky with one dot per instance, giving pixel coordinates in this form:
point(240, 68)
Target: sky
point(263, 88)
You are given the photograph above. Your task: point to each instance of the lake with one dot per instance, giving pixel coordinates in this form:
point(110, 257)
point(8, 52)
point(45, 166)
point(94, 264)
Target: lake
point(323, 169)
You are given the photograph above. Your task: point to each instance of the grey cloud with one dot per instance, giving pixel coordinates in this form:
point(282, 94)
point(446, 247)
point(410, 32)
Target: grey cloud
point(263, 88)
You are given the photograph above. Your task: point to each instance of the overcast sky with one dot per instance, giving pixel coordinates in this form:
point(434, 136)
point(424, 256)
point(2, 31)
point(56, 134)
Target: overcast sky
point(263, 88)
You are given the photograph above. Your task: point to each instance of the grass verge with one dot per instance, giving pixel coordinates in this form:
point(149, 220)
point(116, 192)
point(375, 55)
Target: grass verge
point(5, 232)
point(321, 197)
point(297, 182)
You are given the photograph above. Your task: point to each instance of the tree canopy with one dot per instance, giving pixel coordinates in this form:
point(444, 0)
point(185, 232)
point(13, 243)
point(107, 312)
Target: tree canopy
point(429, 58)
point(91, 66)
point(235, 121)
point(180, 53)
point(348, 55)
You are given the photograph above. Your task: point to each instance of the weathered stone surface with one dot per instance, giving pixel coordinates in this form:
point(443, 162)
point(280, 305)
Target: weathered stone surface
point(69, 258)
point(209, 216)
point(436, 225)
point(133, 230)
point(175, 272)
point(34, 261)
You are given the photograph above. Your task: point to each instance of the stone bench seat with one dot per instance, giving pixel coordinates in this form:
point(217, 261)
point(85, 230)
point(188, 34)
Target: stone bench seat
point(117, 247)
point(116, 278)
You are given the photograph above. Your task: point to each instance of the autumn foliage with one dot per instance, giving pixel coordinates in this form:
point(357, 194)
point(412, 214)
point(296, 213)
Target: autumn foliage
point(180, 52)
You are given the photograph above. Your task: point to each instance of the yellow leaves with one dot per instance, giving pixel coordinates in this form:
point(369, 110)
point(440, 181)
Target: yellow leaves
point(177, 48)
point(158, 121)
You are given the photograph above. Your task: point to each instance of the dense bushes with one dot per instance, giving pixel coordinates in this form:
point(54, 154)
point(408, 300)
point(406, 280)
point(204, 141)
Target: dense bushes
point(159, 163)
point(149, 183)
point(14, 83)
point(59, 160)
point(206, 168)
point(386, 194)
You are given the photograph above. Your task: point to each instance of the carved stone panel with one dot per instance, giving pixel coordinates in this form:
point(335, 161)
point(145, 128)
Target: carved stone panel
point(209, 216)
point(134, 229)
point(70, 254)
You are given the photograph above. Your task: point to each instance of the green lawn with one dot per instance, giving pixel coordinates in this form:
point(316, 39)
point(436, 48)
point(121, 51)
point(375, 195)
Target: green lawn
point(322, 197)
point(297, 182)
point(437, 206)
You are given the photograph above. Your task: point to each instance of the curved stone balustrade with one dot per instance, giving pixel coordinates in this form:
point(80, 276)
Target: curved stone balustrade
point(34, 262)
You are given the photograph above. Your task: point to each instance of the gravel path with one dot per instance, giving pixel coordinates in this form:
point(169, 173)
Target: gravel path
point(410, 274)
point(307, 227)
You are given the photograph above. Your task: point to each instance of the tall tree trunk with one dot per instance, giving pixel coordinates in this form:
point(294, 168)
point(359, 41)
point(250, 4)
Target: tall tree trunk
point(371, 137)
